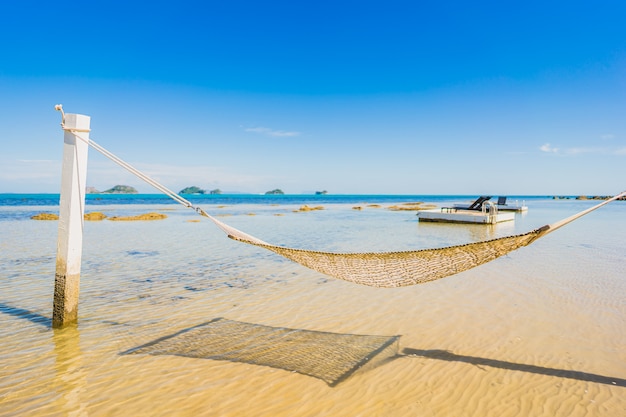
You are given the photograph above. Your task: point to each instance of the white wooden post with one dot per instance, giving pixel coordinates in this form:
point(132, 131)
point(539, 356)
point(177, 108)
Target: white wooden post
point(71, 218)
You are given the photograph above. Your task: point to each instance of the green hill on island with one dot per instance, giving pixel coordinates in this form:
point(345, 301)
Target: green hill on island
point(121, 189)
point(192, 190)
point(197, 190)
point(277, 191)
point(118, 189)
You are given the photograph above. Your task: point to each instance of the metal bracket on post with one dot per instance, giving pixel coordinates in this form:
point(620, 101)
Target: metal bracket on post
point(71, 218)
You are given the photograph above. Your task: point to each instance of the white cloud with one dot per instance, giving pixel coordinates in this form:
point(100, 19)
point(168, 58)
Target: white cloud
point(548, 148)
point(271, 132)
point(607, 136)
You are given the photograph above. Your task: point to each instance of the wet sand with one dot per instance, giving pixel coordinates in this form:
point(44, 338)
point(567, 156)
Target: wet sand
point(539, 332)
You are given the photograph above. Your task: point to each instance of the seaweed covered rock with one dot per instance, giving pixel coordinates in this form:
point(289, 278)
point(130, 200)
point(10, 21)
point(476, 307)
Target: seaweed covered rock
point(45, 216)
point(95, 216)
point(146, 216)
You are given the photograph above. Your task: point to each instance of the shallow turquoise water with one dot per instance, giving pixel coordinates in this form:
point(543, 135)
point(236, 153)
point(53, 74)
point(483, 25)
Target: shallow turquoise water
point(555, 305)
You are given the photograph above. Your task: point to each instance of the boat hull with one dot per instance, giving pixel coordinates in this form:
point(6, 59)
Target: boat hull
point(464, 216)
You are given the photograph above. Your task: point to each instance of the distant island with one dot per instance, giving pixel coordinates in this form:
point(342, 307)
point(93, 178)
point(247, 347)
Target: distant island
point(118, 189)
point(586, 197)
point(197, 190)
point(321, 192)
point(277, 191)
point(192, 190)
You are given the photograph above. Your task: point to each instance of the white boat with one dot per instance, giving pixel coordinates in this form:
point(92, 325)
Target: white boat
point(480, 211)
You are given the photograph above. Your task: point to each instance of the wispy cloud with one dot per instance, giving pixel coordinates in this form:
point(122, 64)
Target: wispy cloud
point(621, 151)
point(607, 136)
point(583, 150)
point(579, 151)
point(271, 132)
point(37, 161)
point(548, 148)
point(30, 169)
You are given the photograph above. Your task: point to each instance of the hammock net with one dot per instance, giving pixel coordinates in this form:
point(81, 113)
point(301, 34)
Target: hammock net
point(400, 269)
point(381, 269)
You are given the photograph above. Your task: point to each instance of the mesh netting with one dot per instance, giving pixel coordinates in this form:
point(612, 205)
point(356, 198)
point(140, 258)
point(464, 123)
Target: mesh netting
point(331, 357)
point(399, 269)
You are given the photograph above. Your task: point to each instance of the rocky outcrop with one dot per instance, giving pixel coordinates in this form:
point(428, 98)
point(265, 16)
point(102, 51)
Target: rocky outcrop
point(147, 216)
point(45, 216)
point(595, 197)
point(95, 216)
point(277, 191)
point(307, 208)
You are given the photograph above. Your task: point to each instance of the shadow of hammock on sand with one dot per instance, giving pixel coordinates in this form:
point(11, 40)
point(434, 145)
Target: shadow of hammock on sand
point(445, 355)
point(331, 357)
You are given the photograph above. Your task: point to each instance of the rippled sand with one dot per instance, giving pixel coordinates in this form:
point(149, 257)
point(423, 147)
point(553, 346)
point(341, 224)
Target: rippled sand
point(541, 332)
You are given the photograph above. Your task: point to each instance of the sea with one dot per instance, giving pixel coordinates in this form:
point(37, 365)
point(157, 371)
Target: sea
point(176, 319)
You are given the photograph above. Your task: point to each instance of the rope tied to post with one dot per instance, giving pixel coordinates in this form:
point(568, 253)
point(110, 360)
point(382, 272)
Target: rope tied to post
point(59, 107)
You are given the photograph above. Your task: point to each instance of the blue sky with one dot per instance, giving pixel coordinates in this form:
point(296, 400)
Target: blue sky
point(393, 97)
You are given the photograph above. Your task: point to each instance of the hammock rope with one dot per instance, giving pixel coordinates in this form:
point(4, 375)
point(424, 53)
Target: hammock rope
point(375, 269)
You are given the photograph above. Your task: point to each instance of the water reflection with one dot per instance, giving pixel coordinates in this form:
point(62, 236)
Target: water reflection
point(70, 376)
point(458, 234)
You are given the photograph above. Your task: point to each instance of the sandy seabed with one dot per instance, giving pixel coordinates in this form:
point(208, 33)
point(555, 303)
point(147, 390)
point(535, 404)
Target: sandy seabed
point(540, 332)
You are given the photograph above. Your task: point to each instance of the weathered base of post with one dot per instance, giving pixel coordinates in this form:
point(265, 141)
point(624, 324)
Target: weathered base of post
point(65, 306)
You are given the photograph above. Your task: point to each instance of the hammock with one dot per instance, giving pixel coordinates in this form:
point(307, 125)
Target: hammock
point(376, 269)
point(400, 269)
